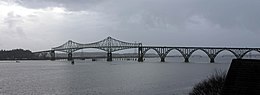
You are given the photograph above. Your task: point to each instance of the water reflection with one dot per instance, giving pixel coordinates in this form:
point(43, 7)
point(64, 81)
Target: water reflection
point(102, 78)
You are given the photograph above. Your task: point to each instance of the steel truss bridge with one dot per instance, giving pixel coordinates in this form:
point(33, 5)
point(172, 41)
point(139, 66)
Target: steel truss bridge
point(110, 45)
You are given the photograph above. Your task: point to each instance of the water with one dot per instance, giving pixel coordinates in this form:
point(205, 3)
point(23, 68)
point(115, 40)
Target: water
point(103, 78)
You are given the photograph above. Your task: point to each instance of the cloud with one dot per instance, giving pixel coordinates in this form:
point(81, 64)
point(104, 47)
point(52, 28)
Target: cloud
point(153, 22)
point(72, 5)
point(231, 13)
point(226, 13)
point(13, 22)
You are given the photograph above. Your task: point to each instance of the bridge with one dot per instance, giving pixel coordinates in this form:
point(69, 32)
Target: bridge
point(111, 45)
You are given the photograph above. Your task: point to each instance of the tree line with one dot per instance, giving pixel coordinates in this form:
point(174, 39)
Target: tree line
point(16, 54)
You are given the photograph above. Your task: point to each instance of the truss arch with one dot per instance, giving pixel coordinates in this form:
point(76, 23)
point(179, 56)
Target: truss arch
point(174, 49)
point(147, 49)
point(204, 55)
point(109, 44)
point(234, 53)
point(199, 49)
point(249, 51)
point(224, 56)
point(68, 47)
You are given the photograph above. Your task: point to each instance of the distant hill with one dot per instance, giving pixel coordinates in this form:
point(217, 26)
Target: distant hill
point(16, 54)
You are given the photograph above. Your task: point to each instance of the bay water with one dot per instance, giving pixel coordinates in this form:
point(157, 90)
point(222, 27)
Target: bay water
point(87, 77)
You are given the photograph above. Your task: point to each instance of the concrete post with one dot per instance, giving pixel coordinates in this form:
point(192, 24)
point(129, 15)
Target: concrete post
point(186, 60)
point(162, 59)
point(140, 54)
point(70, 56)
point(109, 56)
point(212, 60)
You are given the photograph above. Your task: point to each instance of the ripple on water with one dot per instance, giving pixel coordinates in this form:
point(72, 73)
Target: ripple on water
point(101, 78)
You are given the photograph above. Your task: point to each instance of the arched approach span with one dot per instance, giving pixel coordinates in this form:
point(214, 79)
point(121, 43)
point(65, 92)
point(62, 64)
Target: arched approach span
point(206, 52)
point(172, 49)
point(250, 51)
point(234, 53)
point(147, 49)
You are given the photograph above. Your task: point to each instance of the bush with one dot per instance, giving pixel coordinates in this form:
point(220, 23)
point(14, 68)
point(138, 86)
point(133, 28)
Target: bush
point(210, 86)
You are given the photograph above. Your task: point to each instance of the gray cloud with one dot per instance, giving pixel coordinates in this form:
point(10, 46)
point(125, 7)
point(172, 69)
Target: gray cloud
point(74, 5)
point(155, 22)
point(231, 13)
point(226, 13)
point(13, 21)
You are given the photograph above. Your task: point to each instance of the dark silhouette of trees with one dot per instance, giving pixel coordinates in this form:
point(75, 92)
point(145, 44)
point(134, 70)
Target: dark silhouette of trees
point(15, 54)
point(211, 86)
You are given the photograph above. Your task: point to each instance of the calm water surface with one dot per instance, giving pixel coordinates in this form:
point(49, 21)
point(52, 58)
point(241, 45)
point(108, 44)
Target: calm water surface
point(103, 78)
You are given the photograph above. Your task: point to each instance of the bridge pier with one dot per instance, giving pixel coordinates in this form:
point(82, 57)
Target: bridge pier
point(162, 59)
point(212, 60)
point(52, 53)
point(140, 59)
point(140, 54)
point(109, 56)
point(70, 56)
point(186, 60)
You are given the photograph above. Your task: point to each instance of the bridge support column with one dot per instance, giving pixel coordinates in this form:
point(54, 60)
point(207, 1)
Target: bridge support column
point(70, 56)
point(52, 53)
point(140, 54)
point(212, 60)
point(109, 56)
point(239, 57)
point(186, 60)
point(140, 59)
point(162, 59)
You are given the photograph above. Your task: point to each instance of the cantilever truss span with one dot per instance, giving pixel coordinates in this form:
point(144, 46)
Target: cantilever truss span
point(109, 45)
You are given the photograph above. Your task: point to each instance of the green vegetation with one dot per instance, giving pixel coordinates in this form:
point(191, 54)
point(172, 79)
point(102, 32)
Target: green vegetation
point(210, 86)
point(15, 54)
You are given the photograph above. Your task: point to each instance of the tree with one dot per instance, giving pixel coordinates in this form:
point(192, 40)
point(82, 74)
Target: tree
point(211, 86)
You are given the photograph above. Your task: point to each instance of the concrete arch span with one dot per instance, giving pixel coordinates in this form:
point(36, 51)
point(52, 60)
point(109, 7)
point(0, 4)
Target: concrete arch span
point(210, 56)
point(171, 50)
point(214, 54)
point(199, 49)
point(248, 52)
point(147, 49)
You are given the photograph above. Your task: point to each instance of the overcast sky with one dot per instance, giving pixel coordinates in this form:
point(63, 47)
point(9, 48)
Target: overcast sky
point(43, 24)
